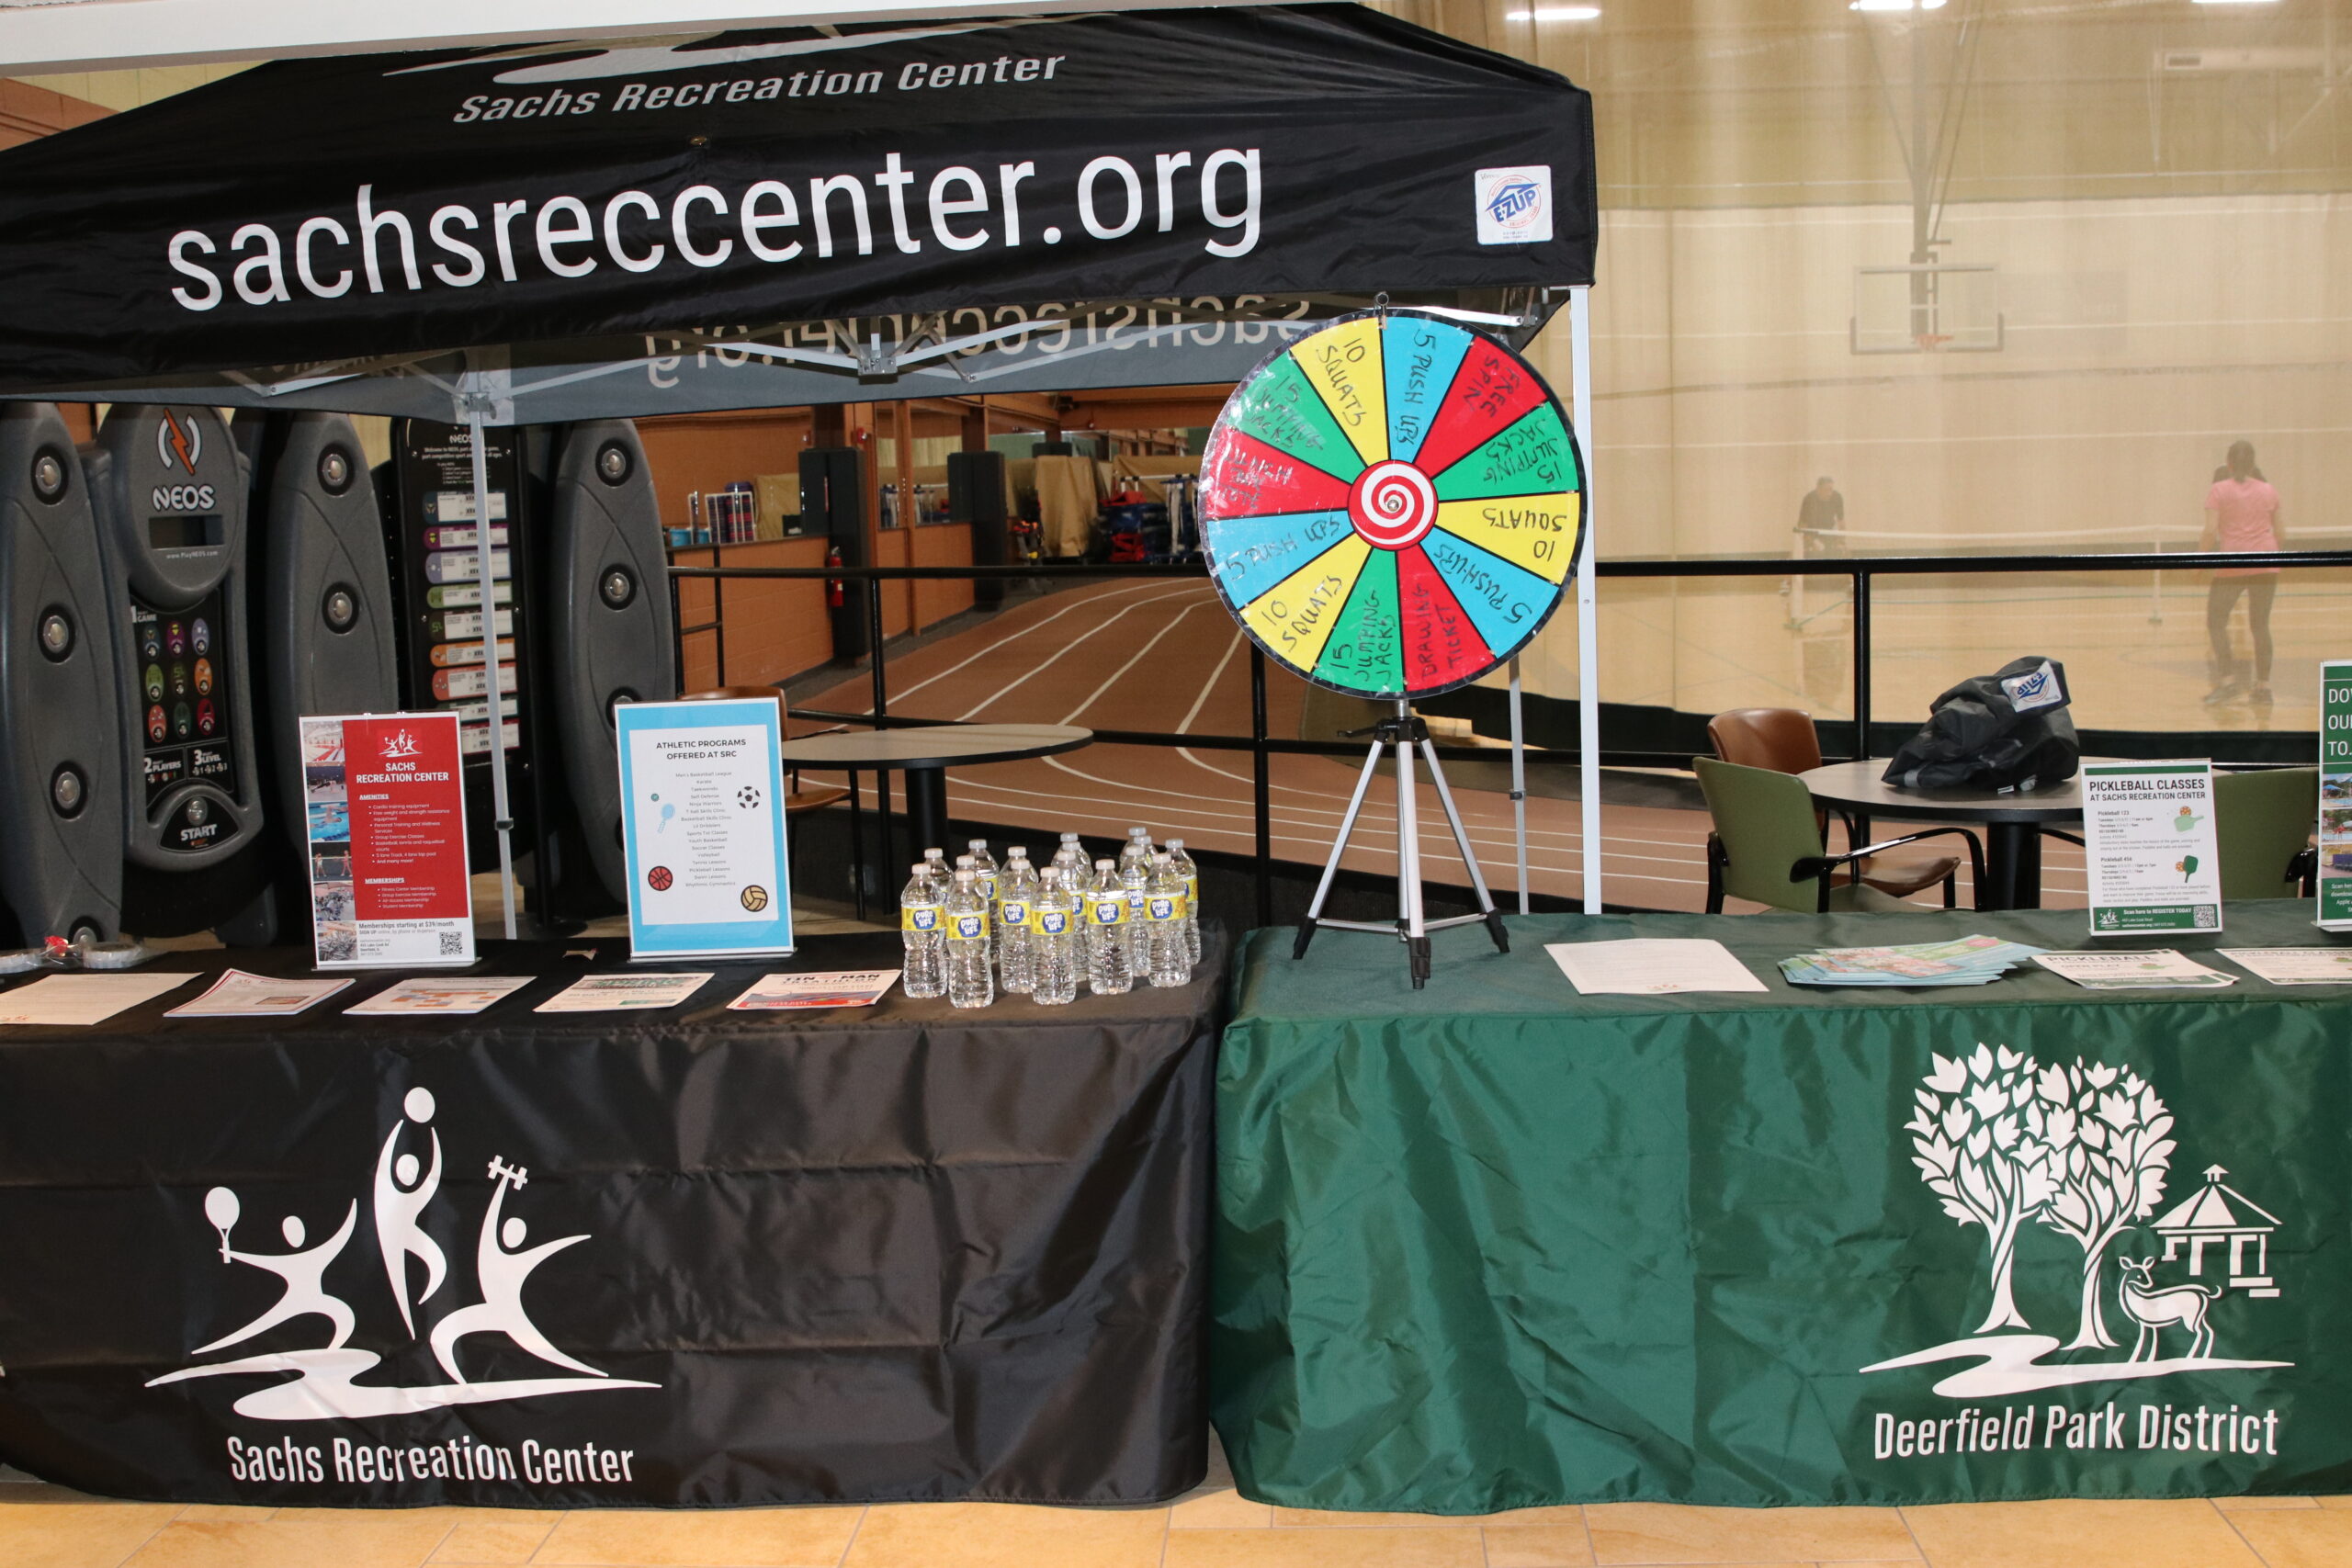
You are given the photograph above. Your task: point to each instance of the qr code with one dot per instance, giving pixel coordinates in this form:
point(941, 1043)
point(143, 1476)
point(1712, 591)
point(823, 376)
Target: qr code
point(453, 944)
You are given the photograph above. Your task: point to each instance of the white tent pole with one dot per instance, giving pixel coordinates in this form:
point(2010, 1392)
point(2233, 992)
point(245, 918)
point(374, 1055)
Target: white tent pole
point(1588, 610)
point(494, 693)
point(1519, 783)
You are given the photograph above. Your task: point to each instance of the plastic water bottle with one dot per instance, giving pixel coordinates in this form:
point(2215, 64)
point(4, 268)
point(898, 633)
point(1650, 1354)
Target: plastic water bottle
point(1164, 925)
point(1109, 972)
point(922, 926)
point(1016, 902)
point(988, 892)
point(935, 862)
point(1135, 873)
point(1053, 939)
point(1073, 854)
point(984, 864)
point(1190, 875)
point(969, 984)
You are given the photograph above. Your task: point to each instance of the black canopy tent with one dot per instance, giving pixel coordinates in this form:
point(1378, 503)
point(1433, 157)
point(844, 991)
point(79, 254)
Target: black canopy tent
point(797, 216)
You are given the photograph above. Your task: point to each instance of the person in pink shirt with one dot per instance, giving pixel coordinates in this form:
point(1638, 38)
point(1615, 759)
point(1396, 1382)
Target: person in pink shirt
point(2241, 516)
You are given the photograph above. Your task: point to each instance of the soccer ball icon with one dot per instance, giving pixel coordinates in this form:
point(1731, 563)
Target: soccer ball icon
point(749, 797)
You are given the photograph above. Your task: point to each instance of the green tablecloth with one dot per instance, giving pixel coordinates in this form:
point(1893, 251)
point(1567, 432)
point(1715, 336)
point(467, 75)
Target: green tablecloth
point(1495, 1244)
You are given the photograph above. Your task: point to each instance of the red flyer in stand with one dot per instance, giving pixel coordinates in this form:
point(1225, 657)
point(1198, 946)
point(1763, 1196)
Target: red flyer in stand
point(390, 882)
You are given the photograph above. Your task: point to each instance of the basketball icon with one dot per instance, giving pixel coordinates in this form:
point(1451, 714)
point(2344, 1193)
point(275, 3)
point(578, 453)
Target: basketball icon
point(659, 879)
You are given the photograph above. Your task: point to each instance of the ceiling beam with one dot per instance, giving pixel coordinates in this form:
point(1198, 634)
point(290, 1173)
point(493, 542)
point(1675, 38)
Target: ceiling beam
point(113, 34)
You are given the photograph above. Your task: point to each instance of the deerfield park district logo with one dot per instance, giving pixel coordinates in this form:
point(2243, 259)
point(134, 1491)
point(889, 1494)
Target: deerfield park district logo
point(2009, 1147)
point(1514, 205)
point(326, 1385)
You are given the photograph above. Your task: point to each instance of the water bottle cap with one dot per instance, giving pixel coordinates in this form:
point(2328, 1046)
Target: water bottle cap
point(965, 862)
point(1160, 857)
point(935, 854)
point(1138, 833)
point(1175, 844)
point(1018, 851)
point(963, 876)
point(1106, 865)
point(1069, 837)
point(977, 846)
point(919, 867)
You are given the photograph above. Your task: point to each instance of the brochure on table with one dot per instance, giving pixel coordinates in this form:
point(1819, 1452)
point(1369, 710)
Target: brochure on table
point(2149, 846)
point(1651, 966)
point(2152, 969)
point(2335, 794)
point(390, 878)
point(702, 823)
point(834, 988)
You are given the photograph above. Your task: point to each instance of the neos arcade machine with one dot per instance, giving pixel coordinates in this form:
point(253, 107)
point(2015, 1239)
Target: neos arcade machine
point(167, 489)
point(60, 753)
point(606, 595)
point(323, 628)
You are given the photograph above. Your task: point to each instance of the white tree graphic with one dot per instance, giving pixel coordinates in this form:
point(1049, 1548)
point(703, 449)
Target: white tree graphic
point(1979, 1156)
point(2108, 1149)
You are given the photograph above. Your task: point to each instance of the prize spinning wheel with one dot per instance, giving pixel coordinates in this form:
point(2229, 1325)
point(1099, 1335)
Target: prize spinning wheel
point(1391, 505)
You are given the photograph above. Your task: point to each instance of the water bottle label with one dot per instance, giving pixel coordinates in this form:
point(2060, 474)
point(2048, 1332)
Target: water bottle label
point(969, 928)
point(1109, 911)
point(1012, 914)
point(1166, 907)
point(986, 883)
point(1052, 922)
point(919, 917)
point(1192, 892)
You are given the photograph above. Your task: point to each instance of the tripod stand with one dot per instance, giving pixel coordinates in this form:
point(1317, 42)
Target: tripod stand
point(1405, 732)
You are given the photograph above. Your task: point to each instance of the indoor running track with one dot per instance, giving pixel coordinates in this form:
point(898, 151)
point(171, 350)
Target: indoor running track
point(1165, 655)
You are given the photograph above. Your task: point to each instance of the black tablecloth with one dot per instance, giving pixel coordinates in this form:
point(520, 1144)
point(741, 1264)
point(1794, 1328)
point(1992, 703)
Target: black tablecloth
point(897, 1252)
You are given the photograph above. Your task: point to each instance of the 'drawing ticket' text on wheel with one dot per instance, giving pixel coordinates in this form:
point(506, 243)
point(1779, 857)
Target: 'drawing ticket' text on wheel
point(1391, 505)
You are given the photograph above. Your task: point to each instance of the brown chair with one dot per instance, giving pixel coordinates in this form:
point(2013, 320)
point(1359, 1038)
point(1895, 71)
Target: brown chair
point(797, 800)
point(1786, 741)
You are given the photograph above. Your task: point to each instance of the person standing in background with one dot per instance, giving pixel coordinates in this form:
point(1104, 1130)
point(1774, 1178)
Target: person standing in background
point(2241, 517)
point(1821, 519)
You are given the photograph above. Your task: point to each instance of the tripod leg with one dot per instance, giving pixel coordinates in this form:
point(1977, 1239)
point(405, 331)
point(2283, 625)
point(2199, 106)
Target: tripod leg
point(1469, 857)
point(1339, 847)
point(1412, 922)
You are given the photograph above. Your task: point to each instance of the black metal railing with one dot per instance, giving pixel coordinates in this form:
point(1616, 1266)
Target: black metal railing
point(1860, 572)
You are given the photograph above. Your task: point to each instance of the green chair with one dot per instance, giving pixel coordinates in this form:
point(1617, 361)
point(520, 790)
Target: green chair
point(1767, 845)
point(2262, 825)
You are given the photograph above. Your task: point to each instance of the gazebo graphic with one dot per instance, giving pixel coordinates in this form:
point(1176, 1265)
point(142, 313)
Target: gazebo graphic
point(2218, 1215)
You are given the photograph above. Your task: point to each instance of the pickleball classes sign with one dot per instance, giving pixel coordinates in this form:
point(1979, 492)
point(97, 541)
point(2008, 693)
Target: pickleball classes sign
point(1391, 505)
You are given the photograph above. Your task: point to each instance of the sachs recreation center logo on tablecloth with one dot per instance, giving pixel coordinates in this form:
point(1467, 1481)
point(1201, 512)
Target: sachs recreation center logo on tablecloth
point(326, 1384)
point(2009, 1146)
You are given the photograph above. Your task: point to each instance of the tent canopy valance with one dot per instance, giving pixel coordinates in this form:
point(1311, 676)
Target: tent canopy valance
point(898, 186)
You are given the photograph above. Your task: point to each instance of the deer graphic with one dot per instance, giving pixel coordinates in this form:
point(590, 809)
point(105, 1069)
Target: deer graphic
point(2156, 1310)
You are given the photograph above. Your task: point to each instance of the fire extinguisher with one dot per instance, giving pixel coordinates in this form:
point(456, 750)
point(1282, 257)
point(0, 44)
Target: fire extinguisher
point(836, 590)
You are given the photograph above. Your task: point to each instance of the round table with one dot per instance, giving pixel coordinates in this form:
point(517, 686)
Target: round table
point(2012, 821)
point(925, 752)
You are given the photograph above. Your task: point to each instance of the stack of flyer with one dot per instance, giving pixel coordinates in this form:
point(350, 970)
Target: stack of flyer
point(1963, 961)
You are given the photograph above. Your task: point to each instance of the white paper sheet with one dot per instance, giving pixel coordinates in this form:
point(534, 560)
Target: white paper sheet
point(239, 995)
point(626, 993)
point(2295, 965)
point(836, 988)
point(2156, 969)
point(1651, 966)
point(82, 999)
point(442, 993)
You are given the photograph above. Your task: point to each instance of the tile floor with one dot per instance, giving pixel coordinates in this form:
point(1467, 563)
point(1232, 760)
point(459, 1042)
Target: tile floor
point(44, 1526)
